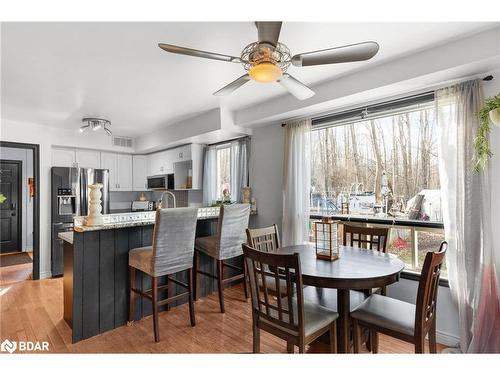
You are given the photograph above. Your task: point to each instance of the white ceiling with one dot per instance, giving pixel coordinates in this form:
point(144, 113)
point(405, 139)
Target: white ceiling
point(57, 73)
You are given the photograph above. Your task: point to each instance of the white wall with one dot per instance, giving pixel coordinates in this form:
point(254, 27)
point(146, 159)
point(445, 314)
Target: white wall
point(266, 173)
point(26, 156)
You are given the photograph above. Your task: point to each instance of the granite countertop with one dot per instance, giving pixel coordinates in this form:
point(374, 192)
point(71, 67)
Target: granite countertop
point(134, 219)
point(66, 236)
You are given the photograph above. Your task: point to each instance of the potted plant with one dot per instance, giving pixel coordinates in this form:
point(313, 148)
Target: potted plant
point(489, 112)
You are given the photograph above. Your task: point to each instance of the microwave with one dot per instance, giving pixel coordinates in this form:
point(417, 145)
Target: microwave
point(161, 182)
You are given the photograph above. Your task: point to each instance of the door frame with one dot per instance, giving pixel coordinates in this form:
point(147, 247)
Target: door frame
point(19, 200)
point(36, 200)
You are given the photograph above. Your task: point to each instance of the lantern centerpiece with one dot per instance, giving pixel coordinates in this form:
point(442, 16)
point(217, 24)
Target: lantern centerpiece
point(326, 239)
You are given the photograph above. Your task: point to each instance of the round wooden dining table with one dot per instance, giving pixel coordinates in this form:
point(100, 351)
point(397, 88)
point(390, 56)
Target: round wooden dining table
point(354, 269)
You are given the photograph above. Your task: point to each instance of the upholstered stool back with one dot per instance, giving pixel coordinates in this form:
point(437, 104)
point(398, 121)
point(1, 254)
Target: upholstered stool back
point(173, 240)
point(233, 222)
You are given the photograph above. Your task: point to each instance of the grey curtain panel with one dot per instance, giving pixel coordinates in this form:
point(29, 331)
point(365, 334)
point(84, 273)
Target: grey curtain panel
point(239, 167)
point(210, 176)
point(466, 204)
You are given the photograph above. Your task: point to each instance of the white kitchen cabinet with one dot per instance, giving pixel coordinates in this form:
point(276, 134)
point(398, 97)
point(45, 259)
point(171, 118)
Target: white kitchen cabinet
point(120, 170)
point(192, 162)
point(62, 157)
point(182, 153)
point(88, 159)
point(139, 172)
point(160, 163)
point(124, 172)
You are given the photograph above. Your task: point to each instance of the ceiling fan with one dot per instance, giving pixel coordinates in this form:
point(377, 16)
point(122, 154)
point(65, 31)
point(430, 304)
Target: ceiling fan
point(267, 60)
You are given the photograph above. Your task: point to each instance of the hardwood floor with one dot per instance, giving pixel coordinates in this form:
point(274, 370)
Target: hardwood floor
point(32, 311)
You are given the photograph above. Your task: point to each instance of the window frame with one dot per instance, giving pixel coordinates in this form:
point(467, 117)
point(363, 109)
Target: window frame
point(373, 111)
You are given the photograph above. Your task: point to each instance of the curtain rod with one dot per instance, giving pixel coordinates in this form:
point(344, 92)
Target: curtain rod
point(228, 141)
point(487, 78)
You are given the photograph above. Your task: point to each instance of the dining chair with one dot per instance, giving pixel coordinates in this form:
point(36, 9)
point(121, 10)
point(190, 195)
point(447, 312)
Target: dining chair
point(403, 320)
point(171, 252)
point(266, 239)
point(369, 238)
point(225, 245)
point(288, 316)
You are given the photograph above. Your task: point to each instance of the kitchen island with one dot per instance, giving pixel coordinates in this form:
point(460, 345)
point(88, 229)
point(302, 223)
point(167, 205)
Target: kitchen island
point(96, 278)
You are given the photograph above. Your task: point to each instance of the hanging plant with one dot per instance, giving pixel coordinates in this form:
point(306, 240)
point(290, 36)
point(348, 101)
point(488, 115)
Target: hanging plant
point(482, 143)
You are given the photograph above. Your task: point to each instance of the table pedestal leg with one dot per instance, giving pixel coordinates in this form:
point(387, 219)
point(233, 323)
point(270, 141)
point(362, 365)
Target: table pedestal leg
point(343, 322)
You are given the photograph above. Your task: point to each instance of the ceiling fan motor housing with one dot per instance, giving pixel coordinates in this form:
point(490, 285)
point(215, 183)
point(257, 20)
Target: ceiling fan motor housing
point(266, 62)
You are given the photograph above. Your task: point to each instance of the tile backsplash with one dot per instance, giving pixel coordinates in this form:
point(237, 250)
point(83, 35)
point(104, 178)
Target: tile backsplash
point(122, 200)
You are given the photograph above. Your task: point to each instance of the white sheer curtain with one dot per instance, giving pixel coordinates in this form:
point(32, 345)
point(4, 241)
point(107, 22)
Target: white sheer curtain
point(296, 182)
point(466, 208)
point(239, 167)
point(210, 176)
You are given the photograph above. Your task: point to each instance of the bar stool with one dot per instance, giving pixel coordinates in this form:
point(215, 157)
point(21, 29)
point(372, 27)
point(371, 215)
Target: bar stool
point(225, 245)
point(171, 252)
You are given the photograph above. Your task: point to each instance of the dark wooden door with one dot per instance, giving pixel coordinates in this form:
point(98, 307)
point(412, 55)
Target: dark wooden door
point(10, 209)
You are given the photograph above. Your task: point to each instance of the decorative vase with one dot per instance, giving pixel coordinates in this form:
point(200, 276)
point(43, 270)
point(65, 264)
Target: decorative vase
point(95, 217)
point(495, 116)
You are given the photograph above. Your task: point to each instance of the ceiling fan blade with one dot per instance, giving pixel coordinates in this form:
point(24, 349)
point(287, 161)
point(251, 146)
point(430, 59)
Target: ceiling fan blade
point(228, 89)
point(269, 32)
point(353, 52)
point(295, 87)
point(198, 53)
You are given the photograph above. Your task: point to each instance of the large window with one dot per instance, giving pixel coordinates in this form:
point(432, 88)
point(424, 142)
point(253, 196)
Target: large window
point(223, 171)
point(383, 165)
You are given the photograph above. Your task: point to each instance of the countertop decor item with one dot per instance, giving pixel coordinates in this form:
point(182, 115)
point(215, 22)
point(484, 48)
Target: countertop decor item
point(246, 193)
point(326, 239)
point(489, 112)
point(95, 216)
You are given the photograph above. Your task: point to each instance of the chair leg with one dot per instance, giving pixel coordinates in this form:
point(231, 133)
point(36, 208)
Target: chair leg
point(289, 347)
point(154, 293)
point(302, 348)
point(220, 278)
point(169, 292)
point(256, 338)
point(419, 346)
point(333, 338)
point(245, 286)
point(131, 301)
point(195, 276)
point(356, 333)
point(432, 338)
point(374, 341)
point(191, 303)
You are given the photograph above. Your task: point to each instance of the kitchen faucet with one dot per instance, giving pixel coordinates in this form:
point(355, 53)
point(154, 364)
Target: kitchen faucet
point(162, 197)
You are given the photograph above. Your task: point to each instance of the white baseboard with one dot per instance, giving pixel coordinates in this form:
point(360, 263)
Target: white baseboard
point(447, 339)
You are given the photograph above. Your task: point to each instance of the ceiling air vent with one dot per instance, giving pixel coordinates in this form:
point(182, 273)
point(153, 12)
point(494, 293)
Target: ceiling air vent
point(122, 141)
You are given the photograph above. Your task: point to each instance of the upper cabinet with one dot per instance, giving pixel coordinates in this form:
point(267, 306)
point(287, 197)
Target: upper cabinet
point(161, 163)
point(88, 159)
point(62, 157)
point(188, 167)
point(139, 172)
point(120, 170)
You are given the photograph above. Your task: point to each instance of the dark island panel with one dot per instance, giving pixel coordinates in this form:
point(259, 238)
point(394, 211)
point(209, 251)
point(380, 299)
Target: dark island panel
point(96, 278)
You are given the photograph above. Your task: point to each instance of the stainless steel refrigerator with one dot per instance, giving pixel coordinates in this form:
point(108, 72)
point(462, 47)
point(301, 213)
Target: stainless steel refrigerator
point(69, 195)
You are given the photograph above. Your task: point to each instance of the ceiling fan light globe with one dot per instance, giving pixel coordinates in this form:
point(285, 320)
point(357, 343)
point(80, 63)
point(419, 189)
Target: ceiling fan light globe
point(265, 72)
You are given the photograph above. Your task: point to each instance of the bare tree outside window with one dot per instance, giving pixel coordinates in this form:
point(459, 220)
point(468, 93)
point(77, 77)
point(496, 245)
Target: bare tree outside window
point(385, 162)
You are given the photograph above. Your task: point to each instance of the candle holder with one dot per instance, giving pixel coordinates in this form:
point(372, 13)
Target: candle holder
point(95, 217)
point(326, 239)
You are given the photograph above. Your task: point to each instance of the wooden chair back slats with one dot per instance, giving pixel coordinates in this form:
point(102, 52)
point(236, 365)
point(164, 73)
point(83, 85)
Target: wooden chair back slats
point(363, 237)
point(275, 306)
point(264, 239)
point(428, 289)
